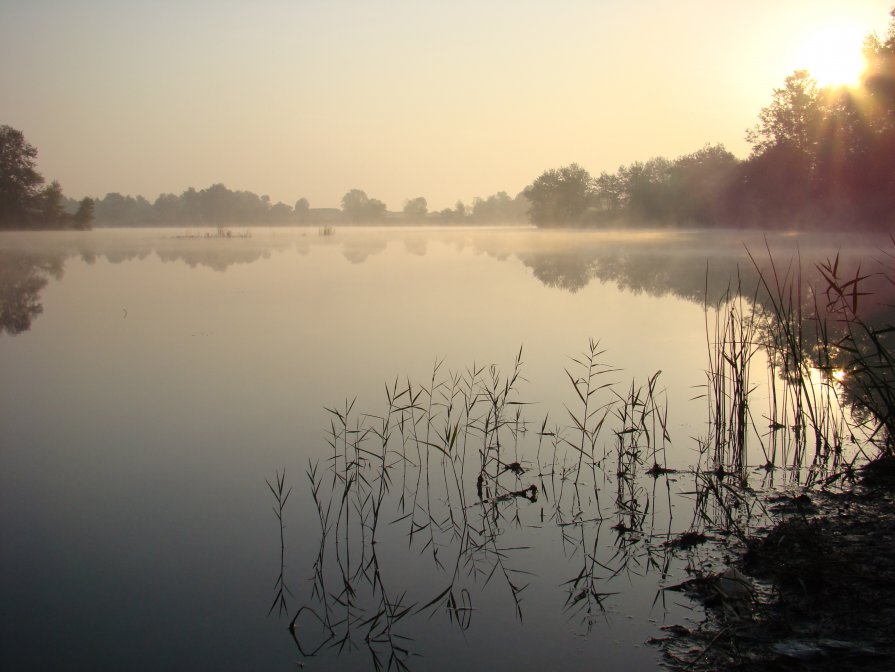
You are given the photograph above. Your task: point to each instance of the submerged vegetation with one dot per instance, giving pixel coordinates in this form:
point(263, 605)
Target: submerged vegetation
point(455, 470)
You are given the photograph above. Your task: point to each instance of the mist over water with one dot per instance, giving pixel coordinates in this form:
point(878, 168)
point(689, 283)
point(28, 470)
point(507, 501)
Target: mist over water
point(152, 380)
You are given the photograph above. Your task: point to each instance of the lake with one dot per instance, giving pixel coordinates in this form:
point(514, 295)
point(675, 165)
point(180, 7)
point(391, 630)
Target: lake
point(157, 382)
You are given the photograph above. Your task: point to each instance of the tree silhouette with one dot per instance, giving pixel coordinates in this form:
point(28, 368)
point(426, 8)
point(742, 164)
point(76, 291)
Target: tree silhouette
point(791, 119)
point(559, 196)
point(416, 209)
point(358, 207)
point(84, 214)
point(19, 181)
point(23, 204)
point(302, 210)
point(49, 204)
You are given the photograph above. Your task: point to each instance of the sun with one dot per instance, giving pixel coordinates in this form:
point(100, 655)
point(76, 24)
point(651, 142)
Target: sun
point(832, 54)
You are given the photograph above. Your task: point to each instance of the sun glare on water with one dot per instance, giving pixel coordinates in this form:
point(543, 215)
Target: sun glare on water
point(832, 54)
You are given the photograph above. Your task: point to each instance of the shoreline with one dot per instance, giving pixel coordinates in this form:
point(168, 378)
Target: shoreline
point(816, 591)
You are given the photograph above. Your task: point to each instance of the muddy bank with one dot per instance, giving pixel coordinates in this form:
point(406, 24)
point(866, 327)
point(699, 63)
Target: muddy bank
point(815, 592)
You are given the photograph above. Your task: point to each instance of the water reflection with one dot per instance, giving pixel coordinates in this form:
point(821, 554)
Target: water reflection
point(757, 292)
point(449, 504)
point(22, 279)
point(305, 326)
point(693, 266)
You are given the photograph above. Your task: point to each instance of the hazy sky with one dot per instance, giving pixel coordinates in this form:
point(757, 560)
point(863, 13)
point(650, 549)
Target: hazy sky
point(400, 98)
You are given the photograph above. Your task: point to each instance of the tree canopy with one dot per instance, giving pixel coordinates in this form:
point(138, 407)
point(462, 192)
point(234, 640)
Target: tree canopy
point(358, 207)
point(19, 180)
point(820, 157)
point(23, 203)
point(559, 196)
point(416, 209)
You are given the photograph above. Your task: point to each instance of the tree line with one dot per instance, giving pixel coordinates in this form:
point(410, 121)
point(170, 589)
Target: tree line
point(26, 203)
point(820, 157)
point(218, 205)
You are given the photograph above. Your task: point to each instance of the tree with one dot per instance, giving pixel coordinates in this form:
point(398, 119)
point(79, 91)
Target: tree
point(611, 192)
point(280, 213)
point(879, 77)
point(167, 209)
point(700, 185)
point(792, 117)
point(875, 186)
point(19, 181)
point(84, 214)
point(302, 210)
point(647, 187)
point(358, 207)
point(499, 207)
point(120, 210)
point(559, 196)
point(48, 204)
point(780, 175)
point(416, 209)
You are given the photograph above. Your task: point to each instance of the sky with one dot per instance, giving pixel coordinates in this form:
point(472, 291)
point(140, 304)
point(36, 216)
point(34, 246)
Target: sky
point(448, 100)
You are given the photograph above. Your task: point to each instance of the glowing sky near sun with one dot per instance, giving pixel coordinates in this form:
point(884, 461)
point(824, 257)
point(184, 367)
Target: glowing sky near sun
point(447, 100)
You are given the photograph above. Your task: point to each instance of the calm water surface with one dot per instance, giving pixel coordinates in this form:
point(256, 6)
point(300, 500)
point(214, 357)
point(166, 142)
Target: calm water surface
point(152, 380)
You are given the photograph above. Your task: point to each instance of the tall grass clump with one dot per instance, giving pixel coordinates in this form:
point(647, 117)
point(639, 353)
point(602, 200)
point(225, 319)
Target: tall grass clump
point(452, 469)
point(451, 472)
point(862, 349)
point(591, 413)
point(792, 346)
point(642, 430)
point(731, 345)
point(831, 369)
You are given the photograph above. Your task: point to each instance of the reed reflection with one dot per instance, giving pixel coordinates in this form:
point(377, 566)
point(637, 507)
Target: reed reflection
point(417, 464)
point(453, 471)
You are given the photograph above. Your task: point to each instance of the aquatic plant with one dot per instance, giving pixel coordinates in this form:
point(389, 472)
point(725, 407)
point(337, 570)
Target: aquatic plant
point(281, 494)
point(862, 350)
point(453, 465)
point(731, 346)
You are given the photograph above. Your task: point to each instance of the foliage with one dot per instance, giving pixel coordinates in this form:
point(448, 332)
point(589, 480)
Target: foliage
point(358, 207)
point(301, 210)
point(219, 206)
point(84, 214)
point(23, 204)
point(19, 181)
point(416, 209)
point(215, 206)
point(499, 207)
point(792, 117)
point(821, 157)
point(559, 196)
point(691, 190)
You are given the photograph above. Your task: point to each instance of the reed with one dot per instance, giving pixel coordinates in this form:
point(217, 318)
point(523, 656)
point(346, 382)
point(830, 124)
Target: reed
point(452, 466)
point(731, 346)
point(589, 419)
point(642, 433)
point(280, 494)
point(862, 351)
point(795, 334)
